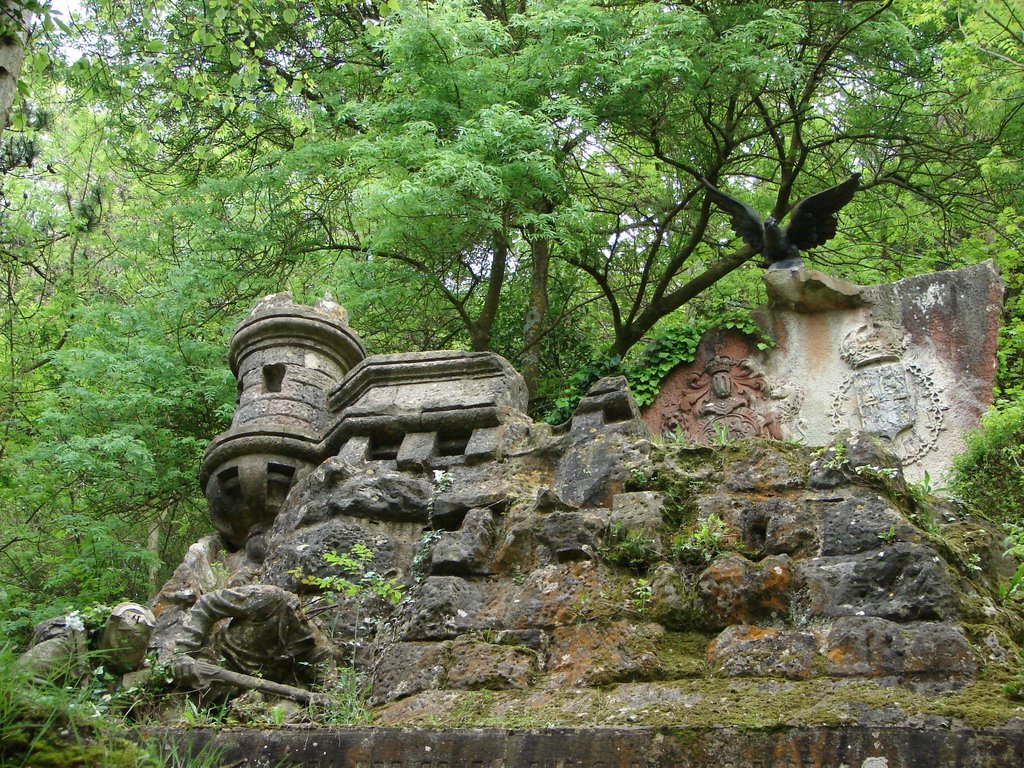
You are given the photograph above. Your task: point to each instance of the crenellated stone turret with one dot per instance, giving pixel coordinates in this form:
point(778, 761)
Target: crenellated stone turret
point(286, 358)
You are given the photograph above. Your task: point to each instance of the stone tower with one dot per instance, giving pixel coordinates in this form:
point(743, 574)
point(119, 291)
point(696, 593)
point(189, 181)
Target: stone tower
point(286, 357)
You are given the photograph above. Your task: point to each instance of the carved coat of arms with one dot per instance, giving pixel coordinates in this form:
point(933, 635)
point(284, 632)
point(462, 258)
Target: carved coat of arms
point(885, 394)
point(723, 402)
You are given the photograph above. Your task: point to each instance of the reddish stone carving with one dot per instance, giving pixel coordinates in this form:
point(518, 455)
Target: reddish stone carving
point(721, 403)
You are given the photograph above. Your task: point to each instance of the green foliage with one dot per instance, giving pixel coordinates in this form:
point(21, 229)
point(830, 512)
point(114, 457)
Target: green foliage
point(989, 475)
point(629, 548)
point(51, 726)
point(645, 372)
point(641, 594)
point(356, 580)
point(347, 701)
point(701, 545)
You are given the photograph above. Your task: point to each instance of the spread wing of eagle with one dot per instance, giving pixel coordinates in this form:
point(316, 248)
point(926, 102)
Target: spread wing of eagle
point(811, 223)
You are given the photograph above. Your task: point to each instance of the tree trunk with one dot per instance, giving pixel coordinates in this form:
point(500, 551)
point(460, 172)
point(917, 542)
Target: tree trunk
point(15, 20)
point(536, 313)
point(480, 331)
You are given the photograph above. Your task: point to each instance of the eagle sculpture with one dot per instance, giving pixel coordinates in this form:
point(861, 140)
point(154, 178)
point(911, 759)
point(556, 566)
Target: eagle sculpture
point(812, 222)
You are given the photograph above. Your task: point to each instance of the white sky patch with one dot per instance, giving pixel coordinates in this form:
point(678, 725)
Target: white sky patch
point(64, 10)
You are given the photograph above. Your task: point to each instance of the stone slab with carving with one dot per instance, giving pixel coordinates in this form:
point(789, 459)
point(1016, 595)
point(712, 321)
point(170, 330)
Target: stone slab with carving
point(911, 362)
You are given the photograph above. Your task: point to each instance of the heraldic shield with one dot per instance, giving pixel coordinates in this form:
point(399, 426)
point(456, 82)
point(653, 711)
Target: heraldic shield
point(885, 399)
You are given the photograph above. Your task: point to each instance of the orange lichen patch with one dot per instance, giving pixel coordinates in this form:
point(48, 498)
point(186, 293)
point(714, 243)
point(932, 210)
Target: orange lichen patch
point(593, 654)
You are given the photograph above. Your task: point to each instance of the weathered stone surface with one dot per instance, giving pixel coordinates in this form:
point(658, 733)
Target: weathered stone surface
point(58, 651)
point(670, 604)
point(569, 535)
point(608, 407)
point(423, 409)
point(592, 471)
point(901, 746)
point(466, 550)
point(597, 654)
point(862, 523)
point(191, 578)
point(476, 665)
point(441, 607)
point(911, 362)
point(734, 590)
point(758, 467)
point(772, 526)
point(300, 554)
point(545, 532)
point(747, 651)
point(462, 488)
point(376, 494)
point(857, 457)
point(257, 630)
point(550, 596)
point(408, 668)
point(922, 651)
point(723, 396)
point(808, 290)
point(901, 582)
point(638, 511)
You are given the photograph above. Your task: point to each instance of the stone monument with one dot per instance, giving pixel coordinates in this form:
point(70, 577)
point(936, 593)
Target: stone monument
point(585, 575)
point(910, 362)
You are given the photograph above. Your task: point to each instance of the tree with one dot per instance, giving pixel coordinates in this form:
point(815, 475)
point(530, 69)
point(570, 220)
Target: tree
point(466, 148)
point(15, 18)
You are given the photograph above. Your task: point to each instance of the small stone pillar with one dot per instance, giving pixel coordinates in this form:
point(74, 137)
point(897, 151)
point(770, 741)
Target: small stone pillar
point(286, 358)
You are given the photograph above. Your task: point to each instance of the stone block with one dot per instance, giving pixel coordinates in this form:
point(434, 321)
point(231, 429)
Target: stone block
point(599, 654)
point(734, 590)
point(638, 511)
point(748, 651)
point(593, 470)
point(860, 523)
point(416, 451)
point(808, 290)
point(901, 582)
point(478, 665)
point(465, 551)
point(609, 407)
point(569, 535)
point(408, 668)
point(439, 608)
point(771, 526)
point(483, 444)
point(760, 465)
point(864, 646)
point(355, 450)
point(550, 596)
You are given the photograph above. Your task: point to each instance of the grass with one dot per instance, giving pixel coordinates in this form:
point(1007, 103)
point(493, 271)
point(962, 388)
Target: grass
point(47, 725)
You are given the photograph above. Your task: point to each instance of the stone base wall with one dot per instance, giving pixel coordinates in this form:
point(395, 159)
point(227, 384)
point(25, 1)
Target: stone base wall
point(804, 747)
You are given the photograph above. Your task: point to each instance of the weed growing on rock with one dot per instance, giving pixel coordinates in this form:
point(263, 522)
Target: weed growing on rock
point(630, 548)
point(700, 546)
point(347, 701)
point(357, 579)
point(641, 595)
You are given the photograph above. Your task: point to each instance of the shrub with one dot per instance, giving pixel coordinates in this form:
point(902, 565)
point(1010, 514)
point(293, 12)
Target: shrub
point(989, 475)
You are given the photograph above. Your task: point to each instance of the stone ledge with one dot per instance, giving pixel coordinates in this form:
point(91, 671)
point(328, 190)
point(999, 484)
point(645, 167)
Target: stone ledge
point(796, 747)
